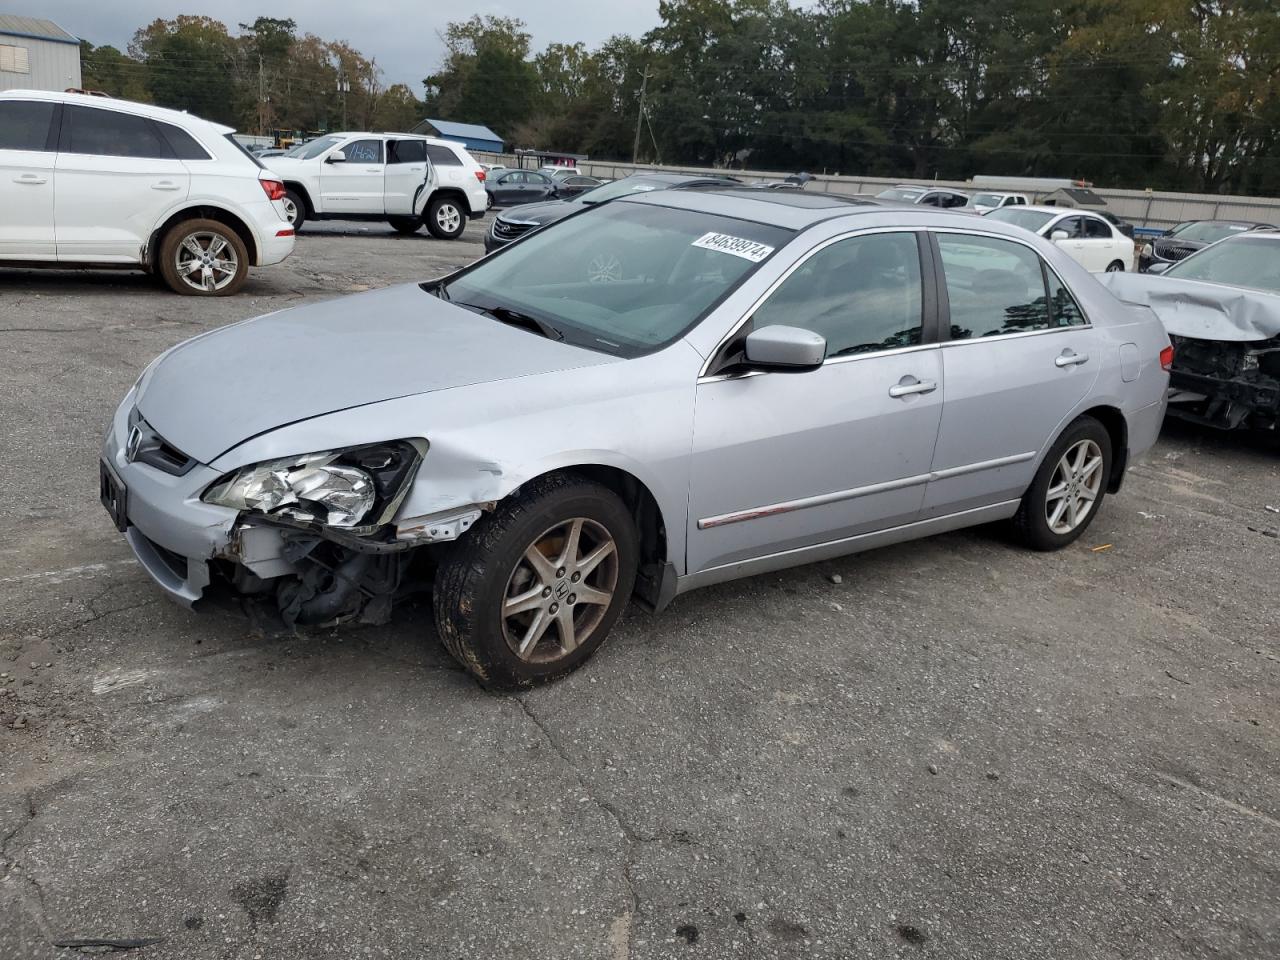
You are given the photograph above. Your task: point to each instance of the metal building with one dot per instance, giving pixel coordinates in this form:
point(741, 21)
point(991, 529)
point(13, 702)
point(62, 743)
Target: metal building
point(471, 135)
point(37, 55)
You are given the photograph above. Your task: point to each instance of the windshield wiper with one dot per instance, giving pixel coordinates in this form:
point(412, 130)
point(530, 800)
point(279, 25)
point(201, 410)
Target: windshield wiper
point(515, 318)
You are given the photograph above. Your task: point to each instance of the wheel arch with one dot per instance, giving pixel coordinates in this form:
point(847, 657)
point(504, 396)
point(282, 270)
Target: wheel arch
point(203, 211)
point(300, 188)
point(1112, 419)
point(457, 194)
point(655, 579)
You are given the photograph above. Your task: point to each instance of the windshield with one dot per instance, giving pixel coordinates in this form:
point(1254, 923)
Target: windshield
point(626, 278)
point(1031, 220)
point(1248, 262)
point(893, 193)
point(988, 199)
point(1207, 231)
point(309, 151)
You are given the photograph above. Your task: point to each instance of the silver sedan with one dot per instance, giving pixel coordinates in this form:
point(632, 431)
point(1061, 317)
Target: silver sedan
point(759, 380)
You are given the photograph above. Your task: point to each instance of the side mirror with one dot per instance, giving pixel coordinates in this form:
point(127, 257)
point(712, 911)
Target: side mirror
point(1059, 235)
point(1158, 268)
point(338, 156)
point(789, 348)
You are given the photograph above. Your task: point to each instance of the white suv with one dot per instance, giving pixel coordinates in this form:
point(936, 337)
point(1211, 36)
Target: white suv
point(95, 182)
point(401, 178)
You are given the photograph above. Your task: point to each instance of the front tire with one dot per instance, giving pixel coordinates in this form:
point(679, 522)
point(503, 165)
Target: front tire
point(203, 258)
point(1068, 489)
point(445, 218)
point(295, 209)
point(535, 587)
point(405, 225)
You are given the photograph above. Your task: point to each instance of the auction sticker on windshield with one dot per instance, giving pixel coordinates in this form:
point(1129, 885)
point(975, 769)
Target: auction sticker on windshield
point(734, 246)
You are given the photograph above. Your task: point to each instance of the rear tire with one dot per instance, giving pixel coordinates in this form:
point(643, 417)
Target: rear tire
point(405, 225)
point(515, 622)
point(1068, 489)
point(446, 218)
point(295, 209)
point(1115, 266)
point(203, 258)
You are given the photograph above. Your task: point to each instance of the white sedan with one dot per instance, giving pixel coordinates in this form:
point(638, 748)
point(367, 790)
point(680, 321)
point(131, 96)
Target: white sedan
point(1086, 237)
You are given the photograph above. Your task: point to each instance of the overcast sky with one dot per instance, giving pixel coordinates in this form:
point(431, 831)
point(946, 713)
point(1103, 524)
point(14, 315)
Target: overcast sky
point(400, 34)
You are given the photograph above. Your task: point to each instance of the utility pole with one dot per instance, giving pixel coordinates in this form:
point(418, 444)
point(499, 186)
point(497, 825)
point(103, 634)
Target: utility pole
point(344, 85)
point(262, 100)
point(644, 84)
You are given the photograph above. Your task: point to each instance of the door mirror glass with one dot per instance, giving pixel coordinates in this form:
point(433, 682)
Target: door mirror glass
point(338, 156)
point(783, 347)
point(1158, 268)
point(1059, 235)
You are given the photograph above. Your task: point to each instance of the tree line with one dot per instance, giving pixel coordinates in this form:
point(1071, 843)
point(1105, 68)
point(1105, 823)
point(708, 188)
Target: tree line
point(1168, 94)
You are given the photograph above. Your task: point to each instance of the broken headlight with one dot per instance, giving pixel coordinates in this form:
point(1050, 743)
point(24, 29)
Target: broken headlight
point(357, 489)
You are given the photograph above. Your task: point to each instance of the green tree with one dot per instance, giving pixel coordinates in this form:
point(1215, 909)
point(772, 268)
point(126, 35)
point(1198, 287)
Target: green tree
point(194, 64)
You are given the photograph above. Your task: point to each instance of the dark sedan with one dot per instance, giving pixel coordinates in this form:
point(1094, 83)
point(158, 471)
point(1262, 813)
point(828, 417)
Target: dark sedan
point(575, 184)
point(1186, 238)
point(512, 187)
point(514, 224)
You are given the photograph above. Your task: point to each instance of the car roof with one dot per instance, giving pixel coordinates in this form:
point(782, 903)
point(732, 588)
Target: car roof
point(177, 117)
point(1042, 208)
point(795, 209)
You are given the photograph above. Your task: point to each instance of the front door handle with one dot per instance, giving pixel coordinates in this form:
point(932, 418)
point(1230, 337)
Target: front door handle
point(1069, 359)
point(165, 185)
point(909, 385)
point(31, 178)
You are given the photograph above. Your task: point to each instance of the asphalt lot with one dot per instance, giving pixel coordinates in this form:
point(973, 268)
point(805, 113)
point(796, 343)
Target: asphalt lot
point(945, 749)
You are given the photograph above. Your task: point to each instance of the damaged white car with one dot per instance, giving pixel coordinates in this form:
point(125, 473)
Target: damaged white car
point(1221, 307)
point(766, 379)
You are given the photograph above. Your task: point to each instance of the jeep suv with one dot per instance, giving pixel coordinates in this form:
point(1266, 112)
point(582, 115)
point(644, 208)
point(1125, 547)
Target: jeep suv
point(401, 178)
point(95, 182)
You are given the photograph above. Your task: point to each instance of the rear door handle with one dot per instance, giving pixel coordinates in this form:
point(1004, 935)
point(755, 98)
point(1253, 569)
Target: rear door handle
point(902, 389)
point(30, 178)
point(165, 185)
point(1068, 359)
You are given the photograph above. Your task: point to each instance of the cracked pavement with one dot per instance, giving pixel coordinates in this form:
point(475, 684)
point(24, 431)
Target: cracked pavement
point(958, 750)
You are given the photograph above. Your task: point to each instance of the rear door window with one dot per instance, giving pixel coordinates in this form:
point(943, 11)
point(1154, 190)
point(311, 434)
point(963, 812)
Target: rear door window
point(1095, 229)
point(111, 133)
point(24, 124)
point(994, 286)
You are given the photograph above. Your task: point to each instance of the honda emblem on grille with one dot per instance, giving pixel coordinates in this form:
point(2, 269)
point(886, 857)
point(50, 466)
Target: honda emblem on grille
point(133, 443)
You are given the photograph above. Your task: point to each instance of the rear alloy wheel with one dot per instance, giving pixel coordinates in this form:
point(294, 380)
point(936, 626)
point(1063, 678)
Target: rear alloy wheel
point(203, 258)
point(1115, 266)
point(445, 218)
point(488, 200)
point(405, 225)
point(295, 210)
point(1068, 488)
point(533, 589)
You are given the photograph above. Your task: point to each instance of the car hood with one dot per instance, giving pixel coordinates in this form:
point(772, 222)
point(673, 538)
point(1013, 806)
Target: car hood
point(1204, 311)
point(539, 213)
point(221, 388)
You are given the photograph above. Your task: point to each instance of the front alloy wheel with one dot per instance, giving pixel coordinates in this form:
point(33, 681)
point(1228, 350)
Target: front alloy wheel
point(532, 589)
point(566, 578)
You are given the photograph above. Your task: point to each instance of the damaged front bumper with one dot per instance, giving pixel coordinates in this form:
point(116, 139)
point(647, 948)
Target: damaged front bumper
point(317, 574)
point(1226, 384)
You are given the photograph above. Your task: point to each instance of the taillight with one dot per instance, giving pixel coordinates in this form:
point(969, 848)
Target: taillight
point(1166, 358)
point(274, 189)
point(480, 175)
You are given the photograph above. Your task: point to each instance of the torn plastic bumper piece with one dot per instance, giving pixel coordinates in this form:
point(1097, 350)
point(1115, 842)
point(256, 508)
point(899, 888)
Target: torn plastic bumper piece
point(438, 527)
